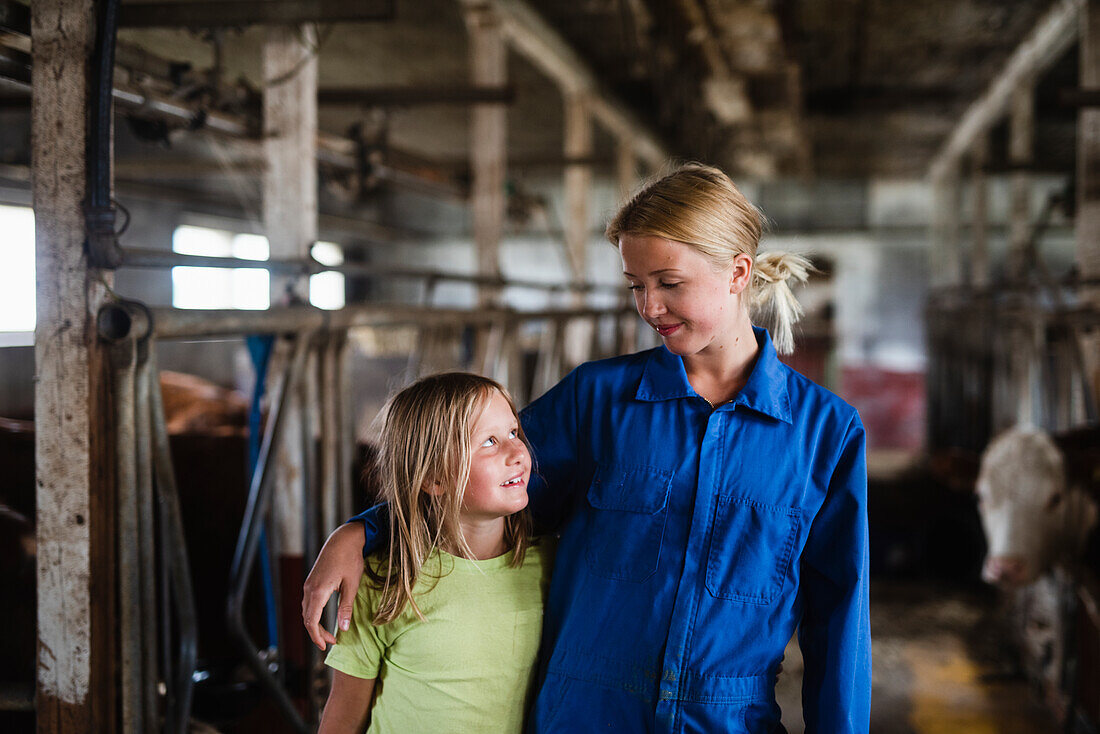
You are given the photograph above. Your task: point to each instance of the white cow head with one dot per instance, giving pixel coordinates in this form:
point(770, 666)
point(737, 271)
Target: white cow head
point(1032, 520)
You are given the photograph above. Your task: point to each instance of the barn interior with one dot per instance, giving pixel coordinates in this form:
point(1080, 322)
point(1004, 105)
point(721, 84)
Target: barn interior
point(281, 211)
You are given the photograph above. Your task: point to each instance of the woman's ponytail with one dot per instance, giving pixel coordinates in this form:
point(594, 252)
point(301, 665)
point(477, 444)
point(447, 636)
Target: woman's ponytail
point(773, 304)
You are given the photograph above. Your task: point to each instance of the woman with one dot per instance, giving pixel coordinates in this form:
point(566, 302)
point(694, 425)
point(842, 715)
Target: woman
point(710, 500)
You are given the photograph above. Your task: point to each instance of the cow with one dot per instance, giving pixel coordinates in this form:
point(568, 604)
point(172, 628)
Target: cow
point(1036, 502)
point(1037, 497)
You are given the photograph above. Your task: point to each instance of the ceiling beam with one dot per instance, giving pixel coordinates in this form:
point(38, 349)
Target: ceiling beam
point(539, 43)
point(15, 17)
point(236, 13)
point(415, 96)
point(1052, 36)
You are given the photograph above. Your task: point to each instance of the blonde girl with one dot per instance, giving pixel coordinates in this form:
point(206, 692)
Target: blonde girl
point(447, 617)
point(711, 501)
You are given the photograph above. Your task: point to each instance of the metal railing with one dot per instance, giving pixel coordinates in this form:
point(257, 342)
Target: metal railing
point(315, 347)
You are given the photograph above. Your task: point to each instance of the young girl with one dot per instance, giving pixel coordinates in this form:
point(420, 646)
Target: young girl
point(447, 620)
point(710, 500)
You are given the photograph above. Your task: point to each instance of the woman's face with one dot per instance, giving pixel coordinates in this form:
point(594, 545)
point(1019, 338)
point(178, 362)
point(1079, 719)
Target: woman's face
point(679, 293)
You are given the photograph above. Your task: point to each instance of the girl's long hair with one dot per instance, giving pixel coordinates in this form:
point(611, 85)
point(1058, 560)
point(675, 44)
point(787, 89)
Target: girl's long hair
point(700, 206)
point(425, 443)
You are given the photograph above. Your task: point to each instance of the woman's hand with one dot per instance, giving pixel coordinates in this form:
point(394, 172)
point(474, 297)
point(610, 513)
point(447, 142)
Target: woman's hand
point(339, 567)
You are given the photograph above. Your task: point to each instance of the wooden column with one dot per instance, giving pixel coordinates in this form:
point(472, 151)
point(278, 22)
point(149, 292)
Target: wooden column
point(77, 646)
point(488, 141)
point(979, 225)
point(1021, 137)
point(290, 222)
point(578, 190)
point(1088, 183)
point(946, 262)
point(578, 180)
point(626, 166)
point(290, 151)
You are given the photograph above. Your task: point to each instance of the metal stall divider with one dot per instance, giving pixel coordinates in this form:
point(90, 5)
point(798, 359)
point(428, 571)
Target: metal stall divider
point(247, 542)
point(175, 571)
point(154, 565)
point(143, 467)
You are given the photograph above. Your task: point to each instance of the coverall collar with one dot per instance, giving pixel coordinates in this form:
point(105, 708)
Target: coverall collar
point(664, 378)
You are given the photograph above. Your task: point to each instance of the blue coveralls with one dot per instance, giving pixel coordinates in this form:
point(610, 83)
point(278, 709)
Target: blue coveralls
point(694, 540)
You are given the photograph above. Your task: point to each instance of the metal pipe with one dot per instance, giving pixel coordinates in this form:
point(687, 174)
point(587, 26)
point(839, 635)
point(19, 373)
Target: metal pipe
point(147, 103)
point(346, 420)
point(123, 356)
point(309, 403)
point(99, 211)
point(122, 324)
point(514, 363)
point(181, 683)
point(139, 258)
point(490, 340)
point(543, 372)
point(146, 529)
point(330, 432)
point(245, 553)
point(184, 323)
point(595, 343)
point(332, 468)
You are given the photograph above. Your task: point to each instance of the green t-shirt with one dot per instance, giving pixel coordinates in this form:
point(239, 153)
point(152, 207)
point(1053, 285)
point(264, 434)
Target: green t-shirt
point(469, 666)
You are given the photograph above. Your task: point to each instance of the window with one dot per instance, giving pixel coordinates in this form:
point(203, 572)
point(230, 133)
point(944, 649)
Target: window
point(326, 290)
point(245, 288)
point(17, 289)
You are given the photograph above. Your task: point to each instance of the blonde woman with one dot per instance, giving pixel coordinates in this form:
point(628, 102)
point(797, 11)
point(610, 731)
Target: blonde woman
point(710, 500)
point(448, 615)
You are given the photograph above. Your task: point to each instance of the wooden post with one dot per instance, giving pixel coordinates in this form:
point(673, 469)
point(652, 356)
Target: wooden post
point(77, 686)
point(578, 181)
point(290, 222)
point(488, 139)
point(944, 252)
point(1021, 137)
point(626, 166)
point(290, 152)
point(1088, 184)
point(979, 227)
point(578, 191)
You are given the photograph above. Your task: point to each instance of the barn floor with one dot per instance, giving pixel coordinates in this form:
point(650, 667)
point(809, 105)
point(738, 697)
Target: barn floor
point(940, 667)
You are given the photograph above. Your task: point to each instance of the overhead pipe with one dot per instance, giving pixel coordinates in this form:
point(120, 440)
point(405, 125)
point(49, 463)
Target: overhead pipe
point(99, 210)
point(142, 258)
point(173, 323)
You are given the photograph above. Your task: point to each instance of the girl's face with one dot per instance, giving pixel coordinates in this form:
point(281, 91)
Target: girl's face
point(679, 293)
point(500, 465)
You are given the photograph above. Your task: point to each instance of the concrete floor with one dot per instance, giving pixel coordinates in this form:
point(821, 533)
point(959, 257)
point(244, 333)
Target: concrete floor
point(940, 667)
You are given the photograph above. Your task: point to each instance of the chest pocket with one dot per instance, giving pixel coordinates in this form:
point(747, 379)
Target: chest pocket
point(751, 545)
point(629, 506)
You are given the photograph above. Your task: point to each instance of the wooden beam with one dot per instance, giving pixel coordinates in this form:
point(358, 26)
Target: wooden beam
point(1021, 144)
point(544, 47)
point(15, 17)
point(979, 186)
point(239, 13)
point(1052, 36)
point(626, 166)
point(427, 94)
point(77, 657)
point(578, 181)
point(1087, 221)
point(290, 151)
point(488, 140)
point(945, 264)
